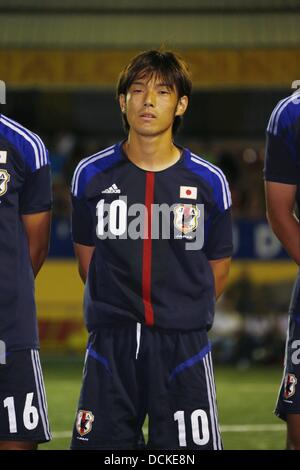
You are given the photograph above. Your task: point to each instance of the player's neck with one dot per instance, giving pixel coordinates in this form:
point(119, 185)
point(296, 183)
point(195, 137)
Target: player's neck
point(152, 153)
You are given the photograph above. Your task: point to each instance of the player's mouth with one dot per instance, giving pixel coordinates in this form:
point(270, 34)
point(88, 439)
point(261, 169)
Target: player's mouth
point(147, 116)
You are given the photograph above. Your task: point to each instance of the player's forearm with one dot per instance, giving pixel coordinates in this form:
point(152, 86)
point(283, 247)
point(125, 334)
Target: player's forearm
point(84, 255)
point(220, 284)
point(37, 228)
point(287, 229)
point(38, 257)
point(83, 270)
point(220, 269)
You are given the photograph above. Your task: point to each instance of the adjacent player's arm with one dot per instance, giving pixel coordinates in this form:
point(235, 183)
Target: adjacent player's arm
point(219, 248)
point(37, 228)
point(280, 201)
point(220, 269)
point(82, 234)
point(84, 255)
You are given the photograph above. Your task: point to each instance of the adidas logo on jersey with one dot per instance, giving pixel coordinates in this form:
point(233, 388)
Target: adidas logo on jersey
point(112, 189)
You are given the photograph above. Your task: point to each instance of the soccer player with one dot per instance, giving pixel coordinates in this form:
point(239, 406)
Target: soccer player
point(282, 175)
point(153, 237)
point(25, 203)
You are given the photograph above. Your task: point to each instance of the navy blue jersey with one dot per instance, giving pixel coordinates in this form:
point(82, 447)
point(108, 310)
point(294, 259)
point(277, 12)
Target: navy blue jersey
point(144, 267)
point(24, 189)
point(282, 162)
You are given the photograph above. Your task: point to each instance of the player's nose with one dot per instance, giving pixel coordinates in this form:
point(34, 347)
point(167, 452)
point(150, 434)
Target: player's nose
point(149, 98)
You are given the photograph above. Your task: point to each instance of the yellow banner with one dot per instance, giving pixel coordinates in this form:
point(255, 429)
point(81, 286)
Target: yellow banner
point(211, 68)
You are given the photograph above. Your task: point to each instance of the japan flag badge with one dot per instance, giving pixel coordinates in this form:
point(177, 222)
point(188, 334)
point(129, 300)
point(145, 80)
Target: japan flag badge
point(188, 192)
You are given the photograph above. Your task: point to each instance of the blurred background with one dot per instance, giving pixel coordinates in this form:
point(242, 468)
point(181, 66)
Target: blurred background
point(60, 61)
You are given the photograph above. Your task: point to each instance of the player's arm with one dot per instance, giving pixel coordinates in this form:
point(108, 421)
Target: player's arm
point(220, 269)
point(280, 201)
point(37, 228)
point(84, 255)
point(83, 230)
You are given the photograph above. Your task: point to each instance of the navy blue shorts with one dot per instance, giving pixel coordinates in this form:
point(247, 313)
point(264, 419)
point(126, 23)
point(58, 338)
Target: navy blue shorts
point(23, 406)
point(289, 393)
point(133, 371)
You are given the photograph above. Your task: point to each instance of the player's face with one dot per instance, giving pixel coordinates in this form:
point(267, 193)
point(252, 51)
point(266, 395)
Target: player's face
point(151, 106)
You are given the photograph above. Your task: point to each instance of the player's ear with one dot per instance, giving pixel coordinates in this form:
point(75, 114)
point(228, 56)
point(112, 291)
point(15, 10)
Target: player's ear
point(182, 105)
point(122, 103)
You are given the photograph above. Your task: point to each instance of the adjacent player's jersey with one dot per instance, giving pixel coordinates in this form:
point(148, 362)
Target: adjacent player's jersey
point(24, 189)
point(282, 162)
point(153, 233)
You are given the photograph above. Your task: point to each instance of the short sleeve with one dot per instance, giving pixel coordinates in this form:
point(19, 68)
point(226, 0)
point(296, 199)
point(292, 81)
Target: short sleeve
point(281, 155)
point(82, 222)
point(218, 235)
point(280, 162)
point(36, 194)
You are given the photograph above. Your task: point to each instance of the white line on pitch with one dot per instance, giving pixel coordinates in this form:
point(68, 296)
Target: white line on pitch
point(225, 428)
point(61, 434)
point(252, 427)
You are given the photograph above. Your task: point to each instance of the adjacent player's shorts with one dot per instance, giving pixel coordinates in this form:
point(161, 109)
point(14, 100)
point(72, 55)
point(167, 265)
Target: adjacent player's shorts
point(289, 394)
point(23, 407)
point(132, 371)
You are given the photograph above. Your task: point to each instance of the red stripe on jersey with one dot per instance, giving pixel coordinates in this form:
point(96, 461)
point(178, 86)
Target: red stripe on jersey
point(147, 250)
